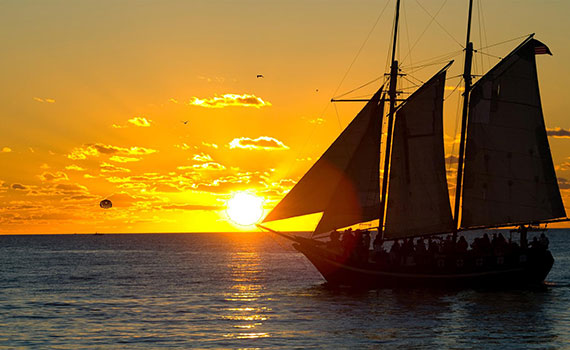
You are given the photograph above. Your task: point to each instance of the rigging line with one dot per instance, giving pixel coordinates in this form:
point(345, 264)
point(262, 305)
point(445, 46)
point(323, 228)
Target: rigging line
point(361, 47)
point(360, 87)
point(430, 61)
point(484, 28)
point(440, 25)
point(480, 34)
point(504, 42)
point(407, 31)
point(413, 82)
point(488, 54)
point(427, 27)
point(451, 93)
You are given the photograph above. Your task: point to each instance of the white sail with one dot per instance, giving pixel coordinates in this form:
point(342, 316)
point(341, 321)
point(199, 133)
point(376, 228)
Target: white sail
point(344, 182)
point(418, 197)
point(509, 177)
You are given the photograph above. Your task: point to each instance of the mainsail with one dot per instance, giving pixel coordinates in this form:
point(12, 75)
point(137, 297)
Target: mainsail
point(418, 197)
point(344, 182)
point(509, 177)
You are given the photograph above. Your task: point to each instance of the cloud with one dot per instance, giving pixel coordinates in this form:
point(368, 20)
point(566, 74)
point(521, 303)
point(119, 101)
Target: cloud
point(453, 88)
point(558, 133)
point(110, 168)
point(184, 147)
point(563, 183)
point(260, 143)
point(120, 159)
point(6, 150)
point(202, 157)
point(563, 166)
point(44, 100)
point(451, 159)
point(211, 145)
point(74, 167)
point(94, 150)
point(214, 79)
point(57, 176)
point(203, 166)
point(17, 186)
point(317, 121)
point(228, 100)
point(140, 121)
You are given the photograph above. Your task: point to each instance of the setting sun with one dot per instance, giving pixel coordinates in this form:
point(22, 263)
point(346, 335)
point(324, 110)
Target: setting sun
point(244, 208)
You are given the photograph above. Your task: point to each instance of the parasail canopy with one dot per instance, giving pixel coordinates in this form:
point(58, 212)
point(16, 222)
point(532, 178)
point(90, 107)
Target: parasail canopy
point(106, 204)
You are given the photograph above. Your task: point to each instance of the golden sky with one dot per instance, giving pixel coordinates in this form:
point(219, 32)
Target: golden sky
point(156, 105)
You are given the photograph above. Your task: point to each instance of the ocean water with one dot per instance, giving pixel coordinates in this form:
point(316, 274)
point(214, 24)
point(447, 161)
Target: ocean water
point(248, 291)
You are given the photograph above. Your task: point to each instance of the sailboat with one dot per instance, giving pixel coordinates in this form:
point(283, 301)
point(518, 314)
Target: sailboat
point(505, 178)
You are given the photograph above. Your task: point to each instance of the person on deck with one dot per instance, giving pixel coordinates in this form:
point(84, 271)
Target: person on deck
point(335, 244)
point(544, 242)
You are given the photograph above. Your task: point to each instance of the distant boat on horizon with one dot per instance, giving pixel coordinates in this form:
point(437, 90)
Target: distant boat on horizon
point(505, 178)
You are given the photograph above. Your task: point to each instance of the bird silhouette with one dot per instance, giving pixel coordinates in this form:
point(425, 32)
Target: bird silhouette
point(260, 75)
point(185, 122)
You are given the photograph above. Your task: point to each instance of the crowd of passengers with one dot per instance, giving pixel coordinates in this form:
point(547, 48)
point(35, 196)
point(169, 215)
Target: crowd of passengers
point(356, 245)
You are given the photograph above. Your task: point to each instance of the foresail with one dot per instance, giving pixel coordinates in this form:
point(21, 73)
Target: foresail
point(357, 195)
point(418, 197)
point(344, 182)
point(509, 176)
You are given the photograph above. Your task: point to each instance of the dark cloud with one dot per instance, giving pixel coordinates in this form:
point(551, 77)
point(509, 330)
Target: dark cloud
point(558, 132)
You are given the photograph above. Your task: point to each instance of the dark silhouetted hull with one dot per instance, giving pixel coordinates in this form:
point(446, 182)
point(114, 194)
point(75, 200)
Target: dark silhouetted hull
point(529, 268)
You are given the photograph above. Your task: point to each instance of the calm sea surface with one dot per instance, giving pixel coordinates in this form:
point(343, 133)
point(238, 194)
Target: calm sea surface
point(247, 291)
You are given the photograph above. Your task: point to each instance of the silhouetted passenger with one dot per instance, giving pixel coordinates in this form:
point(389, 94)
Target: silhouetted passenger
point(462, 245)
point(544, 242)
point(334, 244)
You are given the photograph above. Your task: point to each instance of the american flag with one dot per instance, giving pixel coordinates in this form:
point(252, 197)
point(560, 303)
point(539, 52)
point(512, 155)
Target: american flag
point(541, 49)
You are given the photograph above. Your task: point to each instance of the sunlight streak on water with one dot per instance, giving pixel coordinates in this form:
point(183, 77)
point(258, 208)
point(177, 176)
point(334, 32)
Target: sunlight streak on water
point(225, 291)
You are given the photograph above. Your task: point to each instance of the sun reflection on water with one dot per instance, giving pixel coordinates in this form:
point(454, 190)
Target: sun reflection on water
point(246, 314)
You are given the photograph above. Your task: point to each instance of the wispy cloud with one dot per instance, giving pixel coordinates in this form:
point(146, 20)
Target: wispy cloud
point(211, 145)
point(110, 168)
point(563, 183)
point(227, 100)
point(203, 166)
point(94, 150)
point(140, 121)
point(558, 132)
point(74, 167)
point(44, 100)
point(6, 150)
point(120, 159)
point(202, 157)
point(18, 186)
point(260, 143)
point(55, 176)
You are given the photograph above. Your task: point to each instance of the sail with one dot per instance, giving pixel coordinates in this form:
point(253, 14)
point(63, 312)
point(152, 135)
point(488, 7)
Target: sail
point(344, 182)
point(509, 177)
point(418, 197)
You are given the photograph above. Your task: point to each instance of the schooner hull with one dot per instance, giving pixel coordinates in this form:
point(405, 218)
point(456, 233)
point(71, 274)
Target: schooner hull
point(446, 274)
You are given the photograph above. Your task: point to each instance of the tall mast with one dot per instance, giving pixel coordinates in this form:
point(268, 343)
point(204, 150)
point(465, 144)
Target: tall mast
point(467, 79)
point(392, 94)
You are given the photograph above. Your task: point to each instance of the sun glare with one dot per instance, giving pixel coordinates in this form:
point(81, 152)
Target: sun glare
point(244, 208)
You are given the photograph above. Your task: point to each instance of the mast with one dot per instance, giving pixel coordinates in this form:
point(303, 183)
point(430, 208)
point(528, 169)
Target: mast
point(467, 79)
point(392, 94)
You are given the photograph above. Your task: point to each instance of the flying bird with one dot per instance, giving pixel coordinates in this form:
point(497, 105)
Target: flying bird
point(260, 75)
point(185, 122)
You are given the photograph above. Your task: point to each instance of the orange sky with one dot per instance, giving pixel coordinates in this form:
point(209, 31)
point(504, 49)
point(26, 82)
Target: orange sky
point(95, 95)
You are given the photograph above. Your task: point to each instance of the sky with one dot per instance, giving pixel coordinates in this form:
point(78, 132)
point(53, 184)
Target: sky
point(157, 105)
